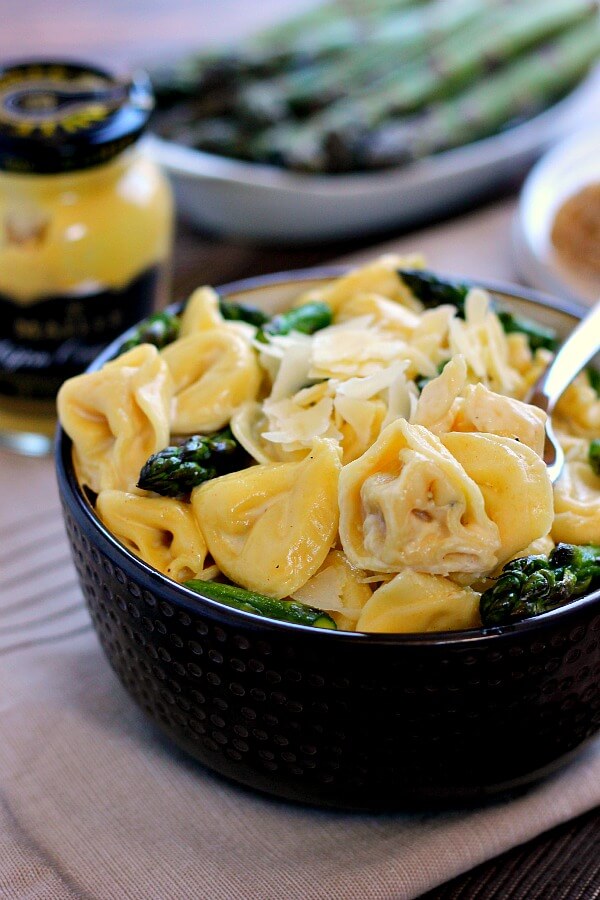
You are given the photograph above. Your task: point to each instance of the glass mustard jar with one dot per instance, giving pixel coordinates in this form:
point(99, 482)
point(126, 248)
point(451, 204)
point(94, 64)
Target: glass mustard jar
point(85, 231)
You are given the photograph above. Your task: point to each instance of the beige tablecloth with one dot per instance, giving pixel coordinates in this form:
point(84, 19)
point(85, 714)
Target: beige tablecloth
point(94, 803)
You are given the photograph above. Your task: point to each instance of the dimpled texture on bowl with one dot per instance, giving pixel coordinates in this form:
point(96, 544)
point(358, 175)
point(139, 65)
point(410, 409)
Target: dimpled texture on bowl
point(340, 719)
point(333, 718)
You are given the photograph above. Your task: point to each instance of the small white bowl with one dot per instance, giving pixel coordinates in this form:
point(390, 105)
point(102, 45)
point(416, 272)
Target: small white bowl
point(569, 167)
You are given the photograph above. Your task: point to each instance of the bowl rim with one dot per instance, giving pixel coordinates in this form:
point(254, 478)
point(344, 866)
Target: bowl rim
point(193, 601)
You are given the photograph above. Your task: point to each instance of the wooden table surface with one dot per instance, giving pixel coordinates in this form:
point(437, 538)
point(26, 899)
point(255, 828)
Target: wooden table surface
point(564, 863)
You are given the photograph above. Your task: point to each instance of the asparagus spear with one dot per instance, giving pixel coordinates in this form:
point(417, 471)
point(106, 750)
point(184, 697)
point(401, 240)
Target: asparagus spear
point(381, 50)
point(307, 319)
point(537, 335)
point(213, 134)
point(159, 329)
point(433, 291)
point(340, 138)
point(487, 39)
point(517, 90)
point(243, 312)
point(533, 585)
point(594, 456)
point(282, 610)
point(502, 34)
point(177, 470)
point(306, 24)
point(594, 378)
point(319, 33)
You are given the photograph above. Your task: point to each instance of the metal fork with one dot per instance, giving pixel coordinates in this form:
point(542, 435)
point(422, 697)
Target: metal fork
point(580, 347)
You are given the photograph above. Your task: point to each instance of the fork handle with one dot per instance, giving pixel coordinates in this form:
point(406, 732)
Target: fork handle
point(582, 344)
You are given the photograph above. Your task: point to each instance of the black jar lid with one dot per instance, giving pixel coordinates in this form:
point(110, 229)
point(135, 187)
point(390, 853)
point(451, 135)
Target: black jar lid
point(61, 116)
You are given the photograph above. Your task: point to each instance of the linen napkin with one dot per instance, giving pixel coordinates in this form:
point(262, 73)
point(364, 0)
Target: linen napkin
point(95, 803)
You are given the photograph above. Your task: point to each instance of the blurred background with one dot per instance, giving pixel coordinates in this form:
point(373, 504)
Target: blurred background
point(318, 129)
point(289, 134)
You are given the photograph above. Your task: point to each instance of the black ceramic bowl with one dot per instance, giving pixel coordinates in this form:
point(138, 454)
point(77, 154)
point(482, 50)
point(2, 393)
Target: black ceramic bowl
point(337, 718)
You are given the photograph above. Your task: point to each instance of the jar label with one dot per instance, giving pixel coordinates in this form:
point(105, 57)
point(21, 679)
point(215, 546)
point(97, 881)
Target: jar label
point(44, 343)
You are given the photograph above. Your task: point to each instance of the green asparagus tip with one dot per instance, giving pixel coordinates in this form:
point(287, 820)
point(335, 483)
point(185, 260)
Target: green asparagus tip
point(594, 456)
point(306, 319)
point(177, 470)
point(241, 312)
point(532, 585)
point(159, 329)
point(433, 291)
point(537, 335)
point(594, 378)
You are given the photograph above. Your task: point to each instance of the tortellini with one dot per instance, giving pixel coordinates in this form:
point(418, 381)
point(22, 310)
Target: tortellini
point(214, 372)
point(515, 486)
point(270, 527)
point(408, 502)
point(378, 277)
point(580, 406)
point(483, 410)
point(414, 602)
point(394, 468)
point(576, 496)
point(448, 403)
point(161, 531)
point(201, 313)
point(117, 417)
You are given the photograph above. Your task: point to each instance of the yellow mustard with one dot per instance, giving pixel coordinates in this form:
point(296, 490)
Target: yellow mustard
point(85, 232)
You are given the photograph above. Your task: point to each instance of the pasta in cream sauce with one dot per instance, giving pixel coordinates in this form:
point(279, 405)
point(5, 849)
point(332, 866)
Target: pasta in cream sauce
point(393, 463)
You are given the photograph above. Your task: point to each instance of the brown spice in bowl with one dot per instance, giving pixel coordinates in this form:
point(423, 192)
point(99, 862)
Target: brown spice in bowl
point(576, 229)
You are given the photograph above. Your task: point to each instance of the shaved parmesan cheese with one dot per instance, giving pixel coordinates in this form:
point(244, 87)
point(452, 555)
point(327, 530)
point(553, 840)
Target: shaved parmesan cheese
point(293, 425)
point(435, 322)
point(359, 414)
point(477, 306)
point(323, 590)
point(344, 352)
point(387, 315)
point(293, 371)
point(369, 386)
point(402, 400)
point(482, 341)
point(437, 405)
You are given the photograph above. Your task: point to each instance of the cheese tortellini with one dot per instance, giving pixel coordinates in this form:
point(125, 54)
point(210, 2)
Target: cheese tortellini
point(394, 464)
point(270, 527)
point(408, 502)
point(380, 277)
point(163, 531)
point(511, 477)
point(414, 601)
point(576, 495)
point(117, 417)
point(214, 372)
